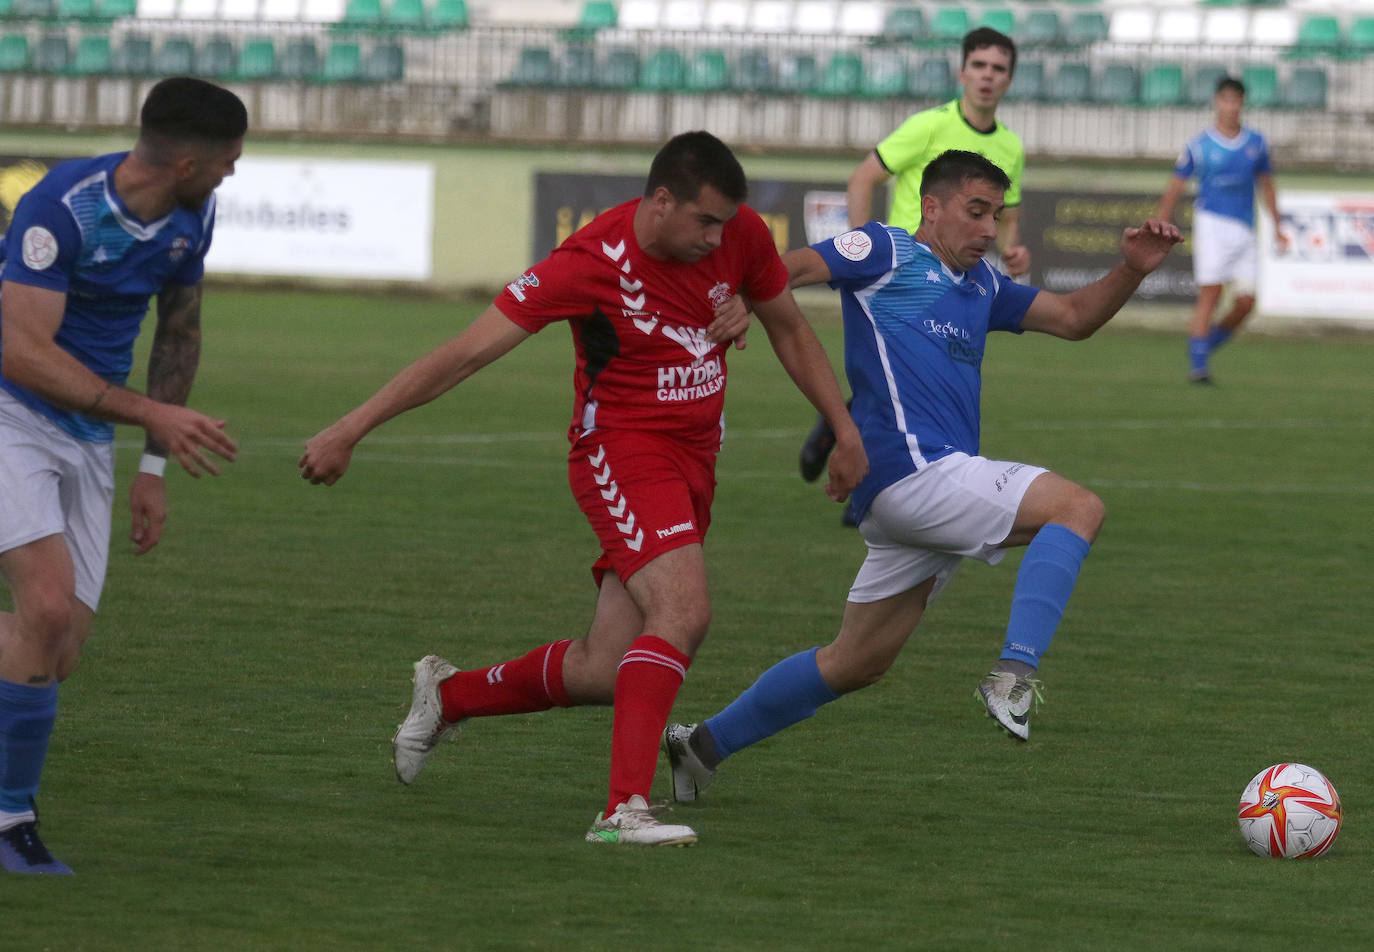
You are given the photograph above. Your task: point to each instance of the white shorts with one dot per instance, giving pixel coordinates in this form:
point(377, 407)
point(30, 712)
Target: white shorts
point(54, 484)
point(922, 526)
point(1224, 252)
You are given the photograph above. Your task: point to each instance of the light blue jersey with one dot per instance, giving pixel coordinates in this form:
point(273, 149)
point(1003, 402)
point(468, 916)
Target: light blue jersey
point(914, 333)
point(72, 234)
point(1226, 171)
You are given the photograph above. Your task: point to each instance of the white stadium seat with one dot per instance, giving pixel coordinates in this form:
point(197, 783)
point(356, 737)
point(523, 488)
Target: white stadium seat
point(1273, 28)
point(683, 15)
point(862, 19)
point(198, 9)
point(238, 9)
point(282, 10)
point(1227, 27)
point(814, 18)
point(1132, 26)
point(639, 15)
point(322, 11)
point(1179, 26)
point(730, 15)
point(770, 16)
point(156, 9)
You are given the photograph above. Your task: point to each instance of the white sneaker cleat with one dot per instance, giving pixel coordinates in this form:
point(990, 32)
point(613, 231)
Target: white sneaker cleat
point(690, 775)
point(424, 726)
point(633, 824)
point(1009, 700)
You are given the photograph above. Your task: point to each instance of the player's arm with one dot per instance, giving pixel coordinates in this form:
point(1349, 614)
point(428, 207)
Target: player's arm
point(328, 452)
point(1169, 200)
point(1078, 315)
point(805, 267)
point(805, 361)
point(859, 195)
point(1271, 202)
point(1015, 256)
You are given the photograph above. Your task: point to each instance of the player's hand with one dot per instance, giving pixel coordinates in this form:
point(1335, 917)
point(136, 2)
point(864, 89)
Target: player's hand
point(1144, 248)
point(848, 464)
point(148, 506)
point(326, 457)
point(731, 323)
point(1016, 259)
point(187, 434)
point(1281, 242)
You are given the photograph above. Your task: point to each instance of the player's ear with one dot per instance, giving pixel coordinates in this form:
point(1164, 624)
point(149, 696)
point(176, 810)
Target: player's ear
point(929, 205)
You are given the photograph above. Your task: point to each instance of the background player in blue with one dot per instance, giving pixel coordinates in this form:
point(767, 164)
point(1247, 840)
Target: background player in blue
point(1229, 160)
point(917, 312)
point(88, 247)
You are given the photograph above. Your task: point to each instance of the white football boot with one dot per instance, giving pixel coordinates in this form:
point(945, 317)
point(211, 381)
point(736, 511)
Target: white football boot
point(1010, 700)
point(634, 824)
point(690, 775)
point(424, 726)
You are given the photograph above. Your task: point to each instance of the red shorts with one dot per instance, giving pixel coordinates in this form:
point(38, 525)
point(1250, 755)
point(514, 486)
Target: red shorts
point(643, 496)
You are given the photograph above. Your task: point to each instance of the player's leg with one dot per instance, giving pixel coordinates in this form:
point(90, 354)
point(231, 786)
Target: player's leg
point(816, 448)
point(1199, 331)
point(1213, 254)
point(1244, 271)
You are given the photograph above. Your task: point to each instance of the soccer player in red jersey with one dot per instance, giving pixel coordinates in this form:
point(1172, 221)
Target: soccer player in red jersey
point(646, 288)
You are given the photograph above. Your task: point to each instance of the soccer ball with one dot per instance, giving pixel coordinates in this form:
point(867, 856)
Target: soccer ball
point(1290, 811)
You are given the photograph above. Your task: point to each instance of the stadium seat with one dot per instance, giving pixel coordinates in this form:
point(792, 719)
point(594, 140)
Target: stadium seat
point(639, 14)
point(861, 18)
point(708, 72)
point(843, 75)
point(904, 25)
point(1028, 83)
point(342, 63)
point(1318, 36)
point(1000, 19)
point(1181, 26)
point(300, 59)
point(1070, 84)
point(117, 9)
point(933, 79)
point(1117, 86)
point(796, 73)
point(14, 53)
point(885, 76)
point(1261, 86)
point(1040, 28)
point(216, 57)
point(1131, 26)
point(5, 7)
point(93, 55)
point(949, 24)
point(727, 16)
point(683, 15)
point(52, 53)
point(257, 60)
point(406, 15)
point(753, 72)
point(175, 57)
point(233, 10)
point(133, 57)
point(770, 16)
point(815, 18)
point(32, 9)
point(1086, 28)
point(449, 15)
point(1162, 85)
point(1305, 89)
point(76, 9)
point(363, 13)
point(597, 15)
point(664, 70)
point(1273, 28)
point(1225, 27)
point(577, 66)
point(534, 68)
point(1361, 39)
point(621, 70)
point(1203, 84)
point(385, 63)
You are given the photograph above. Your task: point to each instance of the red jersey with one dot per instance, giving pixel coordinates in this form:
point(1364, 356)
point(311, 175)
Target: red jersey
point(639, 323)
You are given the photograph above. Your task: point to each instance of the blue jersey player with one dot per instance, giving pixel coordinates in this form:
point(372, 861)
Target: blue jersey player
point(917, 312)
point(87, 249)
point(1229, 160)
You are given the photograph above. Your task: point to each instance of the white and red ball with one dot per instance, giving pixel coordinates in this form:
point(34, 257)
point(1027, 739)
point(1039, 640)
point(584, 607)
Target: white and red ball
point(1290, 811)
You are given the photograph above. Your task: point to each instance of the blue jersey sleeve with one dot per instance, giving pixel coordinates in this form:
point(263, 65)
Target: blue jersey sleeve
point(1009, 304)
point(193, 271)
point(858, 258)
point(1187, 162)
point(42, 244)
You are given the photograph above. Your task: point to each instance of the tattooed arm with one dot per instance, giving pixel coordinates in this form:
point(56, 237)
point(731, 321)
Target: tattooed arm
point(175, 352)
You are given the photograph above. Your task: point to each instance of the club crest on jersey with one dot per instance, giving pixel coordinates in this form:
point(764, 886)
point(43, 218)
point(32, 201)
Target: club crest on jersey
point(180, 245)
point(39, 248)
point(518, 287)
point(854, 245)
point(719, 294)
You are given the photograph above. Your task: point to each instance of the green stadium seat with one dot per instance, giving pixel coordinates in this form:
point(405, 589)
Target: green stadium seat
point(1203, 84)
point(75, 10)
point(117, 9)
point(300, 60)
point(949, 24)
point(577, 66)
point(133, 57)
point(1305, 89)
point(1261, 86)
point(406, 15)
point(796, 73)
point(14, 53)
point(1162, 85)
point(216, 57)
point(1070, 84)
point(6, 6)
point(1086, 28)
point(32, 9)
point(664, 71)
point(257, 60)
point(597, 15)
point(1040, 28)
point(362, 13)
point(1028, 82)
point(52, 54)
point(885, 76)
point(904, 25)
point(621, 70)
point(385, 63)
point(843, 76)
point(933, 79)
point(1361, 40)
point(999, 19)
point(343, 63)
point(708, 72)
point(534, 68)
point(93, 56)
point(1317, 36)
point(449, 15)
point(175, 57)
point(753, 72)
point(1117, 86)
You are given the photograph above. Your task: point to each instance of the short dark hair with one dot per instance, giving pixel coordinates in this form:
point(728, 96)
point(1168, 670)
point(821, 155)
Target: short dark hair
point(693, 159)
point(185, 109)
point(1231, 83)
point(985, 36)
point(952, 168)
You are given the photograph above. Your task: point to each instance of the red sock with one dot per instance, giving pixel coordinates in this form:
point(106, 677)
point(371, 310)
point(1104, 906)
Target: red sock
point(646, 685)
point(528, 684)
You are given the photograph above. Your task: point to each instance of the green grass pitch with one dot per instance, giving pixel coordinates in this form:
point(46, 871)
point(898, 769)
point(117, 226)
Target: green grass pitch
point(220, 775)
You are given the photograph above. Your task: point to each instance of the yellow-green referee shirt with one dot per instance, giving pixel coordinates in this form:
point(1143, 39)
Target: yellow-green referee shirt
point(916, 142)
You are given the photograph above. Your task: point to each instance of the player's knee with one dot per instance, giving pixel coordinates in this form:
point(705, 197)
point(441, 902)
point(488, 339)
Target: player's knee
point(45, 616)
point(1089, 513)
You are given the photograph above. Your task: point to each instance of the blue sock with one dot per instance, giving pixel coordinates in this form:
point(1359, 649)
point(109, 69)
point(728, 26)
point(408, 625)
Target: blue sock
point(1043, 586)
point(1197, 354)
point(1216, 337)
point(26, 718)
point(786, 693)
